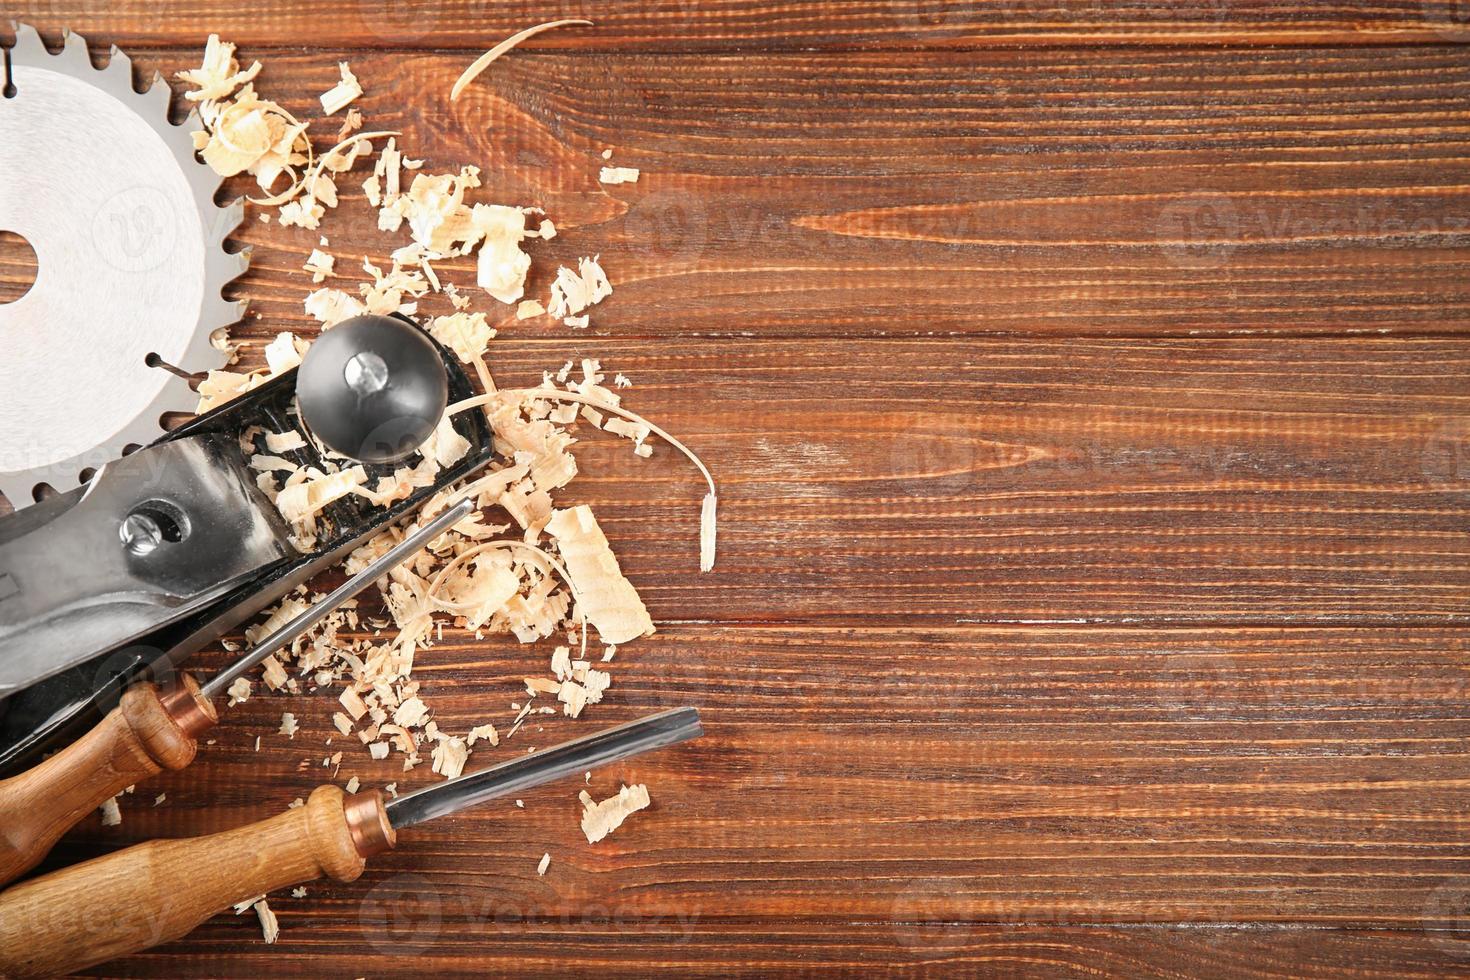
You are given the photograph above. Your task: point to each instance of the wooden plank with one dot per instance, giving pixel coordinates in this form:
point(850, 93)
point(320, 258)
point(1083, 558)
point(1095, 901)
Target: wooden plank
point(731, 25)
point(512, 948)
point(1249, 480)
point(1135, 192)
point(1023, 776)
point(1226, 481)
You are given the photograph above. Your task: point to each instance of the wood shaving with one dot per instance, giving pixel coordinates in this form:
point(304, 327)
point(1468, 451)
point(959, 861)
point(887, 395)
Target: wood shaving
point(522, 586)
point(601, 819)
point(111, 812)
point(270, 928)
point(158, 800)
point(467, 334)
point(353, 784)
point(544, 864)
point(502, 265)
point(298, 892)
point(618, 175)
point(608, 599)
point(220, 74)
point(319, 264)
point(572, 292)
point(238, 691)
point(289, 726)
point(449, 757)
point(339, 96)
point(351, 124)
point(332, 306)
point(484, 60)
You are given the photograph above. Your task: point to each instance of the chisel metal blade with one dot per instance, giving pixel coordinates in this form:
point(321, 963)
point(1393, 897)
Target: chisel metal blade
point(636, 737)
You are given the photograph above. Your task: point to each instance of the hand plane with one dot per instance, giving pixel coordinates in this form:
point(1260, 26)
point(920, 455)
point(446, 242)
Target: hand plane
point(167, 549)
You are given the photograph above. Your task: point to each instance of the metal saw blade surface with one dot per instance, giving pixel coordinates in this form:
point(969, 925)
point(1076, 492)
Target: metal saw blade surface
point(129, 263)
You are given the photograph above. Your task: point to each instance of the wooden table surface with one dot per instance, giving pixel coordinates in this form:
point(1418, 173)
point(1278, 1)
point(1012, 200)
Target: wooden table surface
point(1088, 385)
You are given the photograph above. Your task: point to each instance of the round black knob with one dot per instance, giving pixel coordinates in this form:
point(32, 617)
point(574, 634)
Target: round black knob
point(372, 388)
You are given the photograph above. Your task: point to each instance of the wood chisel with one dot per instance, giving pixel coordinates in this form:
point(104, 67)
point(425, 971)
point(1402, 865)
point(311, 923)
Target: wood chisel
point(155, 728)
point(161, 890)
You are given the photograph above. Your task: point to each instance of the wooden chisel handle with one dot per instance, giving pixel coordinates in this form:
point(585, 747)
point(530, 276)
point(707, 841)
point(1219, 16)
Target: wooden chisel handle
point(155, 892)
point(147, 732)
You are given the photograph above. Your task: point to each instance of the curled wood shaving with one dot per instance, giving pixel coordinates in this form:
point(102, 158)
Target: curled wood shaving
point(484, 60)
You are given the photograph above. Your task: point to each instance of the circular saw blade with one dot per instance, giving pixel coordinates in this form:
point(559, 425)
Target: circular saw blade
point(130, 263)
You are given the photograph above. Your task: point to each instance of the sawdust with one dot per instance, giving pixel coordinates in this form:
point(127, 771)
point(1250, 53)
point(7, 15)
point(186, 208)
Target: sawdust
point(520, 566)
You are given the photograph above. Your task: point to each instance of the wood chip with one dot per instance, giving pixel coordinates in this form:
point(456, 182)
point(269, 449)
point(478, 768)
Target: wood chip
point(619, 175)
point(111, 812)
point(238, 691)
point(269, 926)
point(601, 819)
point(319, 264)
point(545, 863)
point(337, 98)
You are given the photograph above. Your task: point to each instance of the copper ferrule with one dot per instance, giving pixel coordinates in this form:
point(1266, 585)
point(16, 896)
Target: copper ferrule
point(367, 823)
point(188, 708)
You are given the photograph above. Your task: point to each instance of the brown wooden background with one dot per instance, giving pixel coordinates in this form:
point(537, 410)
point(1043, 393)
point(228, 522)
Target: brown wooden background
point(1088, 383)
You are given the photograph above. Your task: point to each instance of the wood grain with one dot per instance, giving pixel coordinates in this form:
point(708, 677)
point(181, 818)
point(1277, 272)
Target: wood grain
point(735, 25)
point(135, 741)
point(133, 899)
point(1024, 776)
point(763, 949)
point(1221, 481)
point(1135, 192)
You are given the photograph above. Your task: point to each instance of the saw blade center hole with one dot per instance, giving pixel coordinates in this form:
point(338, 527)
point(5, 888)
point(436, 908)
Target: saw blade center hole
point(17, 266)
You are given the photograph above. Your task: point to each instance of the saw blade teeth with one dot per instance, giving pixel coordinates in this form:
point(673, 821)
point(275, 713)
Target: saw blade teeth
point(241, 262)
point(74, 52)
point(223, 313)
point(17, 489)
point(28, 44)
point(117, 59)
point(159, 93)
point(224, 222)
point(152, 104)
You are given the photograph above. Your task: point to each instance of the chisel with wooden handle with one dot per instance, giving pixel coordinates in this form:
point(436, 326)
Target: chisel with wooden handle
point(159, 891)
point(153, 729)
